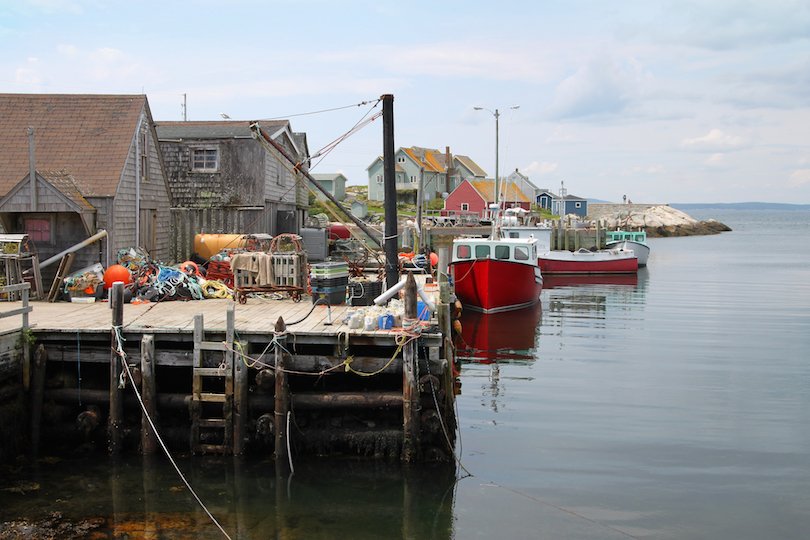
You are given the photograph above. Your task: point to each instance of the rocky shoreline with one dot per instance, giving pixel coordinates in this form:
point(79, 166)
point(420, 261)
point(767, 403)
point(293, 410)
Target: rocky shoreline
point(656, 220)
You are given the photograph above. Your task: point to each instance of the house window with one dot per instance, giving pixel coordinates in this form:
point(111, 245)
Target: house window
point(465, 207)
point(38, 229)
point(144, 157)
point(379, 179)
point(205, 159)
point(578, 205)
point(413, 179)
point(401, 159)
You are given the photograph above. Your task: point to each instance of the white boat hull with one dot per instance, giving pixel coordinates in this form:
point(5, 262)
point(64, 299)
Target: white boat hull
point(642, 251)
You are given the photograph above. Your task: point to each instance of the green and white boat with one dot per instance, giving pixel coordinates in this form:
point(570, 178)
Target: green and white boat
point(635, 241)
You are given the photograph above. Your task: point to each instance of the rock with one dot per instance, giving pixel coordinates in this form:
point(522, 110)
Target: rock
point(660, 220)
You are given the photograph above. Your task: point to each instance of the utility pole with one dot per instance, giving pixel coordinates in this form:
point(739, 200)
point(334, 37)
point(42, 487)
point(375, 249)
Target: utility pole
point(389, 194)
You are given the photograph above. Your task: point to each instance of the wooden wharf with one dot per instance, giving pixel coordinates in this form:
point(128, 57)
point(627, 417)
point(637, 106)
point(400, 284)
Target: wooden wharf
point(220, 377)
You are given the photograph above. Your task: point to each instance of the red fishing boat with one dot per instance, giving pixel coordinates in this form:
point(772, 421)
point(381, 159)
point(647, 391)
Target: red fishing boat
point(494, 275)
point(583, 261)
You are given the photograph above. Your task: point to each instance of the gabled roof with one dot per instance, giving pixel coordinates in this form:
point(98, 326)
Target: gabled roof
point(64, 182)
point(486, 188)
point(328, 176)
point(573, 198)
point(214, 129)
point(471, 165)
point(86, 136)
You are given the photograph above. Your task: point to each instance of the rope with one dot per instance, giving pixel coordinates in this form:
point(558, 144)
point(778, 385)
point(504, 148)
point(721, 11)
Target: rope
point(123, 355)
point(468, 271)
point(289, 452)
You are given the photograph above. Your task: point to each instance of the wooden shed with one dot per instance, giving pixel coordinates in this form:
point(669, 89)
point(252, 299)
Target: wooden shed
point(96, 166)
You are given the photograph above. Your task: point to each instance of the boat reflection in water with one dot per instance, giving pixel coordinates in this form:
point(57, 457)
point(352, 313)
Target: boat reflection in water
point(556, 281)
point(493, 337)
point(576, 297)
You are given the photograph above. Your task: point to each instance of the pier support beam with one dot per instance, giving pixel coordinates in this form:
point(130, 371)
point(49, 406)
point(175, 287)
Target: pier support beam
point(37, 391)
point(116, 398)
point(410, 390)
point(282, 402)
point(148, 394)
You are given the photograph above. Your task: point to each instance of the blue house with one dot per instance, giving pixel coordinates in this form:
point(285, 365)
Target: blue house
point(562, 204)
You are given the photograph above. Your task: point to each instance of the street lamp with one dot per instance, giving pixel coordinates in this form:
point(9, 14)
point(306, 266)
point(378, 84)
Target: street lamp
point(496, 114)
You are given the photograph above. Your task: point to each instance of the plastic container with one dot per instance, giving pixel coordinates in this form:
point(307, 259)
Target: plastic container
point(329, 270)
point(370, 323)
point(422, 311)
point(385, 322)
point(335, 297)
point(362, 292)
point(328, 282)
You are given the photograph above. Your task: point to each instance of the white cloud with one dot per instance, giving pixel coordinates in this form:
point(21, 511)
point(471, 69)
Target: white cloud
point(716, 160)
point(540, 168)
point(604, 86)
point(67, 50)
point(799, 178)
point(714, 140)
point(560, 135)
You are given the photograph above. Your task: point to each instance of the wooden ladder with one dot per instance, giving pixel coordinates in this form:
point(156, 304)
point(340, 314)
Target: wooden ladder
point(212, 391)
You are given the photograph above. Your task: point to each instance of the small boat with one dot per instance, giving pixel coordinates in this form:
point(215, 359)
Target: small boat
point(635, 241)
point(583, 261)
point(496, 274)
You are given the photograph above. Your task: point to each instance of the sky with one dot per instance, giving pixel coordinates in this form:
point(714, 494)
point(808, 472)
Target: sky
point(661, 101)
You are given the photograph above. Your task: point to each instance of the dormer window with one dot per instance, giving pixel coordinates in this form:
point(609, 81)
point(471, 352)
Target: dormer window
point(401, 159)
point(205, 159)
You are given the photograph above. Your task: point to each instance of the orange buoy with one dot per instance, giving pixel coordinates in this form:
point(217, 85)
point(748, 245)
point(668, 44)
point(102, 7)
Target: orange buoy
point(434, 259)
point(115, 273)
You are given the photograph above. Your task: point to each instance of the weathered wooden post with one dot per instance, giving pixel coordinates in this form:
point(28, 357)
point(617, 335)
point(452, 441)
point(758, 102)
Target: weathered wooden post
point(116, 395)
point(148, 394)
point(410, 390)
point(240, 382)
point(37, 390)
point(282, 401)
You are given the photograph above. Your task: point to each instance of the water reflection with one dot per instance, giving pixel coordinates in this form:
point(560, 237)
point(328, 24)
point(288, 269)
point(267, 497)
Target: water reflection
point(492, 337)
point(143, 498)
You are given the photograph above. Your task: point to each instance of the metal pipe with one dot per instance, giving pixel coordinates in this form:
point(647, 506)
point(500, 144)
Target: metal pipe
point(95, 238)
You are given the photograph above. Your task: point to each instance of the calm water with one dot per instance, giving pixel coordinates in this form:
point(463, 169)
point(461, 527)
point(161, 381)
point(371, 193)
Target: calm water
point(675, 405)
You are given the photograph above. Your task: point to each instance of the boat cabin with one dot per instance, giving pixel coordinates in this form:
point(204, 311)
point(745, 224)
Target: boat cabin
point(626, 236)
point(519, 250)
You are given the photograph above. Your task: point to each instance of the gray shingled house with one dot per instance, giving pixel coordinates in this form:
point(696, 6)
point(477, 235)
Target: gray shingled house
point(222, 180)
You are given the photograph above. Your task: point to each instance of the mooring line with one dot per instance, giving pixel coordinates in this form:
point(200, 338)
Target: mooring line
point(123, 356)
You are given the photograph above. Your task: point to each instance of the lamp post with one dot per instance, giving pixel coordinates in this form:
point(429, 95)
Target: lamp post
point(499, 194)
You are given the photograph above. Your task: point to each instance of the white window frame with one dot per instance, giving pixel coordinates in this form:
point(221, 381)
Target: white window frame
point(413, 179)
point(206, 162)
point(578, 205)
point(379, 179)
point(401, 159)
point(465, 207)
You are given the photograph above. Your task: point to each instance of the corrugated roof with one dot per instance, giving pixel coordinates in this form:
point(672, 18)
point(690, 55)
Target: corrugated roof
point(214, 129)
point(88, 136)
point(486, 187)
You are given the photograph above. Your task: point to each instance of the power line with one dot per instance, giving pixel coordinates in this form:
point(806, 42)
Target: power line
point(323, 110)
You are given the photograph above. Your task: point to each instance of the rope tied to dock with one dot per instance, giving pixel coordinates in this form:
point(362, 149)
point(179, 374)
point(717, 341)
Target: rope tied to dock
point(119, 351)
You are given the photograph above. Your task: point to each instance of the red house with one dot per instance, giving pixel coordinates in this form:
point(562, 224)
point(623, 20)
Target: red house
point(476, 196)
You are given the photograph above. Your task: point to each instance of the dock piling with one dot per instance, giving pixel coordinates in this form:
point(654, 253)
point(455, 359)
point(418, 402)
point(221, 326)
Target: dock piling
point(115, 418)
point(148, 394)
point(282, 401)
point(410, 390)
